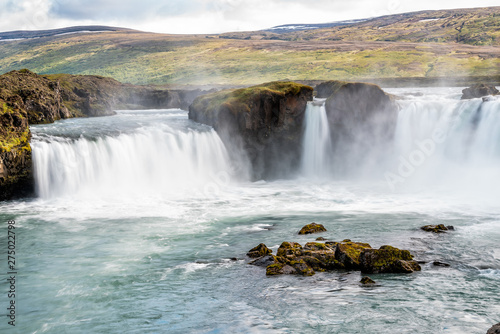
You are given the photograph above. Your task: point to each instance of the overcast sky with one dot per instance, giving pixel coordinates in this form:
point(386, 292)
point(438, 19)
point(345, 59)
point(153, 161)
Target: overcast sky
point(204, 16)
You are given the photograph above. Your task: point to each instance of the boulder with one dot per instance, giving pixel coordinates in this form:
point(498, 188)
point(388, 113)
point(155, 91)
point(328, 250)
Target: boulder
point(479, 90)
point(387, 259)
point(441, 228)
point(265, 261)
point(348, 253)
point(494, 330)
point(289, 250)
point(312, 228)
point(367, 280)
point(259, 251)
point(265, 122)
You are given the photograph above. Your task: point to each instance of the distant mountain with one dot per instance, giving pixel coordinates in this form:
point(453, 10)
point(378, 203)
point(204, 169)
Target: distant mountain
point(286, 28)
point(27, 34)
point(475, 26)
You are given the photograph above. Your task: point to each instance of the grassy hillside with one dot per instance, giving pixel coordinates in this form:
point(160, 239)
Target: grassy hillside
point(474, 26)
point(146, 58)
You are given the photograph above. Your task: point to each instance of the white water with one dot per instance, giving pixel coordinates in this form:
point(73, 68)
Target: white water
point(121, 245)
point(316, 143)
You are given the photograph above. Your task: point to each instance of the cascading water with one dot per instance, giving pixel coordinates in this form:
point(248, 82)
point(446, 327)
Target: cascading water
point(316, 142)
point(148, 159)
point(440, 140)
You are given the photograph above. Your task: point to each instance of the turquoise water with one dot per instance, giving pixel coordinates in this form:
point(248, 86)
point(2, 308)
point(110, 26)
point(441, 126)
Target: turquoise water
point(109, 255)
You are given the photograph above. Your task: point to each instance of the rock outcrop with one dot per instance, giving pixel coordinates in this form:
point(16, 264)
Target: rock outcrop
point(362, 119)
point(15, 152)
point(479, 90)
point(292, 258)
point(264, 121)
point(494, 330)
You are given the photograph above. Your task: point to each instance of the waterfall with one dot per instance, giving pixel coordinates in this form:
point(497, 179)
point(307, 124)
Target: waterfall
point(447, 140)
point(150, 160)
point(316, 141)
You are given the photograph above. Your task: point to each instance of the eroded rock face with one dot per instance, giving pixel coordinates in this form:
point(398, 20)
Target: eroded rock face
point(479, 90)
point(362, 120)
point(263, 121)
point(16, 178)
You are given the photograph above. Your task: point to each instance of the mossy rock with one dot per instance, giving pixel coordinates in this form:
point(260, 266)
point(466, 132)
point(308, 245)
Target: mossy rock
point(348, 253)
point(387, 259)
point(289, 250)
point(259, 251)
point(367, 281)
point(312, 228)
point(441, 228)
point(265, 261)
point(280, 269)
point(302, 268)
point(315, 246)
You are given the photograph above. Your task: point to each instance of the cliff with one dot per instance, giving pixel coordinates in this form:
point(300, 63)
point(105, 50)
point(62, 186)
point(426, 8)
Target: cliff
point(264, 121)
point(362, 119)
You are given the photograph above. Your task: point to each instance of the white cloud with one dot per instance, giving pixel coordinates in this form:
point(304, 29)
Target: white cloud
point(202, 16)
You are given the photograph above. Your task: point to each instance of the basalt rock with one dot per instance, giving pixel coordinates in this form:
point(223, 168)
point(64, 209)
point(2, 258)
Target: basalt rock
point(367, 280)
point(312, 228)
point(441, 228)
point(259, 251)
point(479, 90)
point(387, 259)
point(264, 121)
point(292, 258)
point(362, 120)
point(494, 330)
point(16, 178)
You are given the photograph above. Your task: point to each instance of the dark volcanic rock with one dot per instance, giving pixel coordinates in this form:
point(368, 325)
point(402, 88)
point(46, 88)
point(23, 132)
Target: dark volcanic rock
point(292, 258)
point(265, 122)
point(479, 90)
point(348, 253)
point(494, 330)
point(441, 228)
point(312, 228)
point(259, 251)
point(16, 179)
point(367, 280)
point(362, 119)
point(387, 259)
